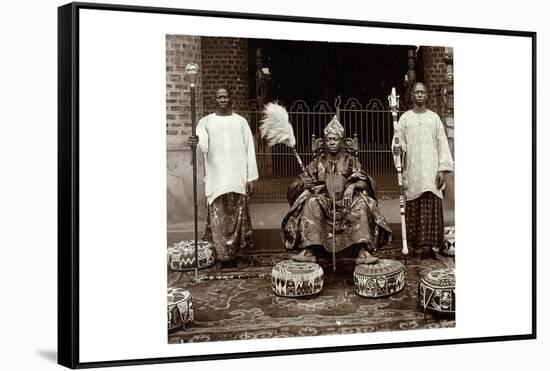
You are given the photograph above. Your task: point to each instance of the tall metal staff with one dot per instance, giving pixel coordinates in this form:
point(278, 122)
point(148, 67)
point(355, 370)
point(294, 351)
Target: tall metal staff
point(333, 219)
point(192, 70)
point(394, 103)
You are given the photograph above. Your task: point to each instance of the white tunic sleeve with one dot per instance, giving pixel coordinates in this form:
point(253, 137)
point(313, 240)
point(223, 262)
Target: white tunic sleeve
point(445, 158)
point(252, 168)
point(400, 132)
point(203, 135)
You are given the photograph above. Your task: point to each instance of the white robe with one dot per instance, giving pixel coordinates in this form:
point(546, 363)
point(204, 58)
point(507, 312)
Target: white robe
point(230, 159)
point(426, 148)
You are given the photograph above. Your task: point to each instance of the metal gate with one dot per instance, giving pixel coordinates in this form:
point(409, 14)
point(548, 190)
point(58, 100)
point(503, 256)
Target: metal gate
point(372, 123)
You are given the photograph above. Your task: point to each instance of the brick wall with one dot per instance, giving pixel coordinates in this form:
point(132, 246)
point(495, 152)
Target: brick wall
point(434, 74)
point(222, 61)
point(181, 50)
point(435, 70)
point(225, 62)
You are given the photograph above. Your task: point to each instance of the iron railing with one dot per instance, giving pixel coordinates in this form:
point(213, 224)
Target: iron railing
point(372, 123)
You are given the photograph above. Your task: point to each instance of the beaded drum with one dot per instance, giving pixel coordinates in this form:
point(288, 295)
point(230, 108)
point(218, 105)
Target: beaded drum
point(385, 277)
point(436, 291)
point(449, 236)
point(180, 308)
point(295, 279)
point(181, 255)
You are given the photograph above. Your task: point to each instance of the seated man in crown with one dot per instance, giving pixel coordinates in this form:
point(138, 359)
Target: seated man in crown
point(336, 196)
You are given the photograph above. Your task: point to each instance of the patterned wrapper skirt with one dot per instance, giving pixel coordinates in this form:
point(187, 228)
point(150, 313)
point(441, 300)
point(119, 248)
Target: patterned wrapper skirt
point(354, 224)
point(424, 218)
point(228, 225)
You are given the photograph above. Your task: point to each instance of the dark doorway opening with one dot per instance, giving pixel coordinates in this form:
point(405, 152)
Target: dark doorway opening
point(308, 77)
point(313, 71)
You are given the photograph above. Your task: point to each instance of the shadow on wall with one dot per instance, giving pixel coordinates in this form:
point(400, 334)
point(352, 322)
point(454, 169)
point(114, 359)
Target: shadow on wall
point(179, 186)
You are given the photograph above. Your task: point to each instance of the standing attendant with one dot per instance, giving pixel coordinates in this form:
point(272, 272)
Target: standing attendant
point(225, 140)
point(427, 163)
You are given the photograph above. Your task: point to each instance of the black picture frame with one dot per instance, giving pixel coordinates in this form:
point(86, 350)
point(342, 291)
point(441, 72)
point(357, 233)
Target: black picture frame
point(68, 183)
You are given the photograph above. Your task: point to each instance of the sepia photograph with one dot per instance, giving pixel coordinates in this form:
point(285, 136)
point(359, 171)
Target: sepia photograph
point(268, 185)
point(310, 188)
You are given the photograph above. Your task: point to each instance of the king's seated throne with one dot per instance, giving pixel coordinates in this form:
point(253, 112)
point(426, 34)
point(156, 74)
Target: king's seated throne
point(334, 205)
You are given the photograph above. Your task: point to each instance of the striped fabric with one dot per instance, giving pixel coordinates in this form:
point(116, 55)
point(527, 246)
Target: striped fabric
point(424, 217)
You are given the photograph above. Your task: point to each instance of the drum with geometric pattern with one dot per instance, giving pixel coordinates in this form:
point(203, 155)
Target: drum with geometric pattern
point(180, 308)
point(181, 255)
point(296, 279)
point(449, 236)
point(436, 291)
point(385, 277)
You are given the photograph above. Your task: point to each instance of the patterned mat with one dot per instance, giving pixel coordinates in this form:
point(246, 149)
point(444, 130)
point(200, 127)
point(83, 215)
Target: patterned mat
point(231, 304)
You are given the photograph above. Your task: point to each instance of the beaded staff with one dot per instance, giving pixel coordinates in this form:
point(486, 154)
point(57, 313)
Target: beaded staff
point(394, 103)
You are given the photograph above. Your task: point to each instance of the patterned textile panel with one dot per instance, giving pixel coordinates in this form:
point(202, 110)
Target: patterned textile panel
point(436, 291)
point(294, 279)
point(385, 277)
point(181, 255)
point(180, 308)
point(449, 236)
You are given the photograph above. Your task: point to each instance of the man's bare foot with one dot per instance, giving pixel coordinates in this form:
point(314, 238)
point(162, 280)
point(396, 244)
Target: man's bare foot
point(428, 253)
point(363, 257)
point(305, 256)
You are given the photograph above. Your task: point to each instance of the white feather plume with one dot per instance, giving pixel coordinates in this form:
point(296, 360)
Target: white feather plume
point(275, 126)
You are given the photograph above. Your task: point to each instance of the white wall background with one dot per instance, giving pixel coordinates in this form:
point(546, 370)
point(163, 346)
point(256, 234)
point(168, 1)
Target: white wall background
point(28, 118)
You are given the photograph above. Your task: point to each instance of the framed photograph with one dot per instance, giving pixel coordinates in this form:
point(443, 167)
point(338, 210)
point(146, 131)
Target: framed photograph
point(241, 185)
